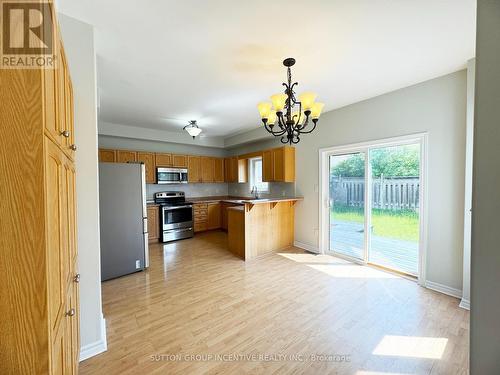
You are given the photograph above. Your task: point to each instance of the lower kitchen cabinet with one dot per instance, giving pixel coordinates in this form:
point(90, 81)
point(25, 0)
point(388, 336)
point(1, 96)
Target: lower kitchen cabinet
point(153, 223)
point(207, 216)
point(223, 213)
point(214, 215)
point(200, 216)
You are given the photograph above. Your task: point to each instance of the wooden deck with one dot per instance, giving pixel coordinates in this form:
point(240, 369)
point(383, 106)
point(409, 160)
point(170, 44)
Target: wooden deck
point(348, 238)
point(198, 299)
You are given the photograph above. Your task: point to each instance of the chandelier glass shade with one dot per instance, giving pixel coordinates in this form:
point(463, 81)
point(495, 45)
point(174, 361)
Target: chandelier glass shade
point(287, 117)
point(192, 129)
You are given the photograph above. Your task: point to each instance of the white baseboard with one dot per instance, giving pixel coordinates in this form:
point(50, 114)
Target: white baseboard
point(465, 304)
point(96, 347)
point(457, 293)
point(307, 247)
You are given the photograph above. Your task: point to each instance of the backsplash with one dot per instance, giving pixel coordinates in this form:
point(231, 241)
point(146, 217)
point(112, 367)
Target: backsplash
point(276, 190)
point(191, 190)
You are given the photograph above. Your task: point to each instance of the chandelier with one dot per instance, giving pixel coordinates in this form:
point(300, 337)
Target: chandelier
point(192, 129)
point(288, 117)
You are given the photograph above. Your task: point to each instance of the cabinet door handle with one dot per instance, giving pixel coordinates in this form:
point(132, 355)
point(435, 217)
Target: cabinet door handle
point(73, 147)
point(76, 279)
point(70, 312)
point(65, 133)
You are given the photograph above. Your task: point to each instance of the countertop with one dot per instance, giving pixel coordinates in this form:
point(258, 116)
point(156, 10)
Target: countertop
point(243, 200)
point(236, 200)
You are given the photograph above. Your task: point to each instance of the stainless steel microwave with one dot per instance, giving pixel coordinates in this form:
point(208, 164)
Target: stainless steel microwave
point(171, 175)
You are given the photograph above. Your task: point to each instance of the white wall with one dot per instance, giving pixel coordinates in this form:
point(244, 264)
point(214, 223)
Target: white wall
point(469, 142)
point(78, 38)
point(485, 255)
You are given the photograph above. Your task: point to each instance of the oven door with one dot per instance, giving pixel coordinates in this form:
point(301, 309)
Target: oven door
point(177, 217)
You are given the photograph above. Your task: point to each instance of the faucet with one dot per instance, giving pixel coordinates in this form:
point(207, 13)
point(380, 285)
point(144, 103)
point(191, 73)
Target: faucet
point(255, 192)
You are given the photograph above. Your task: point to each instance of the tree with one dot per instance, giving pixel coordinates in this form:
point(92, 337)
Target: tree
point(401, 161)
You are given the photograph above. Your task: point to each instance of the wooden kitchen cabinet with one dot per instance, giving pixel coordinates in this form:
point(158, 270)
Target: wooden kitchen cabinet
point(207, 169)
point(180, 161)
point(200, 217)
point(194, 168)
point(218, 170)
point(278, 164)
point(40, 287)
point(214, 215)
point(224, 214)
point(125, 156)
point(148, 158)
point(153, 223)
point(235, 169)
point(242, 171)
point(163, 160)
point(227, 170)
point(267, 165)
point(107, 156)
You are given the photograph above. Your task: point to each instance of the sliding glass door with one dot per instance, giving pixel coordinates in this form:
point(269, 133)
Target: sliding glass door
point(347, 204)
point(395, 225)
point(374, 194)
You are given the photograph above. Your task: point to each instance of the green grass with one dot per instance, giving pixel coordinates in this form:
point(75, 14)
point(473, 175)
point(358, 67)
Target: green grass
point(401, 225)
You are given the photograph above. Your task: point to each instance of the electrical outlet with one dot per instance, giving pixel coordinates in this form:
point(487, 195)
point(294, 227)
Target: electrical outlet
point(137, 264)
point(283, 193)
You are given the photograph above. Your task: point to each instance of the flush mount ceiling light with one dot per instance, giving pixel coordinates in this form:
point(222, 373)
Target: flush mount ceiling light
point(192, 128)
point(289, 114)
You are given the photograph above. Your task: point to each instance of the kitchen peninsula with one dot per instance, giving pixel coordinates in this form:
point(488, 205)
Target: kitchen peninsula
point(254, 226)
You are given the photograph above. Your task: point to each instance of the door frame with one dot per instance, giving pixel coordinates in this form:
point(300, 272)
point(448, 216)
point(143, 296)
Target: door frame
point(324, 220)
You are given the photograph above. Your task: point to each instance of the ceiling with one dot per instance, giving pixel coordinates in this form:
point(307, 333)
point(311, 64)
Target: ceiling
point(161, 63)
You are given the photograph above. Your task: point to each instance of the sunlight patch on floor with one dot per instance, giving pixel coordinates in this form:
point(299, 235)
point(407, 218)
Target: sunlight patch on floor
point(412, 346)
point(336, 267)
point(312, 258)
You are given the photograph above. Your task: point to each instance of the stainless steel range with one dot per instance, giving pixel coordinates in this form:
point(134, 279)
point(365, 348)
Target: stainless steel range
point(176, 215)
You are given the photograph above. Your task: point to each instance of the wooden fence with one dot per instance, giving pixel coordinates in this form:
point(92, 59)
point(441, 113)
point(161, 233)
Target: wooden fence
point(395, 193)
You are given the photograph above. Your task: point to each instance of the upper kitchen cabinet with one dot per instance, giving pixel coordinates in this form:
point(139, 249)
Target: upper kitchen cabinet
point(124, 156)
point(207, 169)
point(236, 170)
point(242, 173)
point(163, 160)
point(107, 156)
point(267, 165)
point(148, 158)
point(218, 170)
point(180, 161)
point(278, 164)
point(194, 169)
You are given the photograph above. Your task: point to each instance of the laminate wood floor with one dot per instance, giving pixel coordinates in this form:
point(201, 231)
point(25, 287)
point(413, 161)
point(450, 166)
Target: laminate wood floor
point(285, 313)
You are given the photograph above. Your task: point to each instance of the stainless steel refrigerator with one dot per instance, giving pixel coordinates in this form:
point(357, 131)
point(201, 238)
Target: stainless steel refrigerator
point(123, 219)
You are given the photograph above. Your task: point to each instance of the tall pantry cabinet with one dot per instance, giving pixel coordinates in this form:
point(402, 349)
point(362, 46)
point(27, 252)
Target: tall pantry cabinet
point(39, 300)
